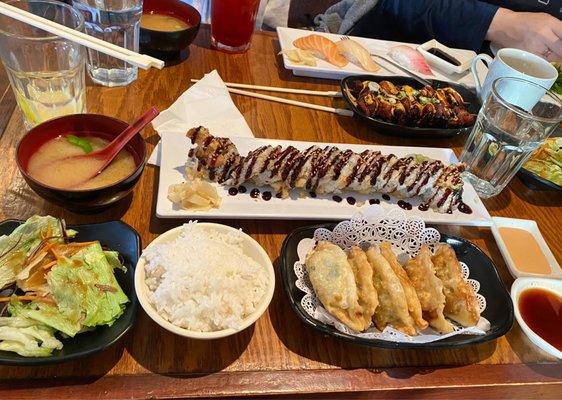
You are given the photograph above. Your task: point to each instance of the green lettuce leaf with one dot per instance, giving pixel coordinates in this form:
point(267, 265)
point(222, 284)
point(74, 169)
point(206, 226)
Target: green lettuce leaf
point(27, 337)
point(546, 162)
point(15, 248)
point(85, 287)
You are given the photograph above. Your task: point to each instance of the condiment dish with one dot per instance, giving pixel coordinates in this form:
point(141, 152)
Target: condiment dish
point(464, 57)
point(531, 227)
point(170, 46)
point(82, 200)
point(250, 247)
point(518, 287)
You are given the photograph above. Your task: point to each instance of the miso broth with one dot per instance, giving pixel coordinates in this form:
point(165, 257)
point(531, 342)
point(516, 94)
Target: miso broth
point(163, 22)
point(48, 165)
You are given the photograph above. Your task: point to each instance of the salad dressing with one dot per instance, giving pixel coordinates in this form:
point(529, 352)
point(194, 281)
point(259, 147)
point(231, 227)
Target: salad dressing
point(524, 251)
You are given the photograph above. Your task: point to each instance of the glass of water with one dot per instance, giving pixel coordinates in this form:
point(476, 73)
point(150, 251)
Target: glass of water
point(46, 72)
point(117, 22)
point(507, 131)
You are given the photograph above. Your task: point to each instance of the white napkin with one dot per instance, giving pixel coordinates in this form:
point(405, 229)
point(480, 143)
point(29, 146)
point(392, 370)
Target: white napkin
point(206, 103)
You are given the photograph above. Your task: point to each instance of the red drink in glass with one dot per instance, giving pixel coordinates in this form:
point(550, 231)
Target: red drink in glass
point(232, 24)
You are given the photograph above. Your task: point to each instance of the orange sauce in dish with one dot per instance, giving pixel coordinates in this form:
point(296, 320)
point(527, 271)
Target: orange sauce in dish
point(541, 310)
point(524, 251)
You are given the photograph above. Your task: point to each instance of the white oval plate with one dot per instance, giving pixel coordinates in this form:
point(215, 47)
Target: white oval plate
point(517, 288)
point(249, 246)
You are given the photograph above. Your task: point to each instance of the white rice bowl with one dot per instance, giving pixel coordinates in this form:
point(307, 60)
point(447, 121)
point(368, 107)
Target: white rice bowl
point(204, 280)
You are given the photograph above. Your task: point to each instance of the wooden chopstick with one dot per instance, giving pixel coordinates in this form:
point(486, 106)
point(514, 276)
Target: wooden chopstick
point(327, 93)
point(140, 60)
point(340, 111)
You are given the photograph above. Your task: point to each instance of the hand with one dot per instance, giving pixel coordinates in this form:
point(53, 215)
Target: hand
point(538, 33)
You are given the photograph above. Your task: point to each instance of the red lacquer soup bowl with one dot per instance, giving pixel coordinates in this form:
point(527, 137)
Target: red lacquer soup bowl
point(86, 200)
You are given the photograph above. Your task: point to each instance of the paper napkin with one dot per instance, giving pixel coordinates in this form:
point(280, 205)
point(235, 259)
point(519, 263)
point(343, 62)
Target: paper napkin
point(206, 103)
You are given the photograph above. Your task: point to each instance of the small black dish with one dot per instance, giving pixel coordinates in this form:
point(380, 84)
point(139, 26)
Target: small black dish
point(393, 129)
point(499, 308)
point(535, 182)
point(117, 236)
point(171, 47)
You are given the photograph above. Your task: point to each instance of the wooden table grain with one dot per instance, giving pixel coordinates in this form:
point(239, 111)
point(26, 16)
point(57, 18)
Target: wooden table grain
point(278, 356)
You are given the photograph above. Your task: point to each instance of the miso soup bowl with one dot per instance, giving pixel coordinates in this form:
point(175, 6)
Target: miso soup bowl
point(171, 47)
point(86, 200)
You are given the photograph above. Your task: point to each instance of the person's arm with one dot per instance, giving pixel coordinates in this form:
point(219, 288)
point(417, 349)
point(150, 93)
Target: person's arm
point(539, 33)
point(455, 23)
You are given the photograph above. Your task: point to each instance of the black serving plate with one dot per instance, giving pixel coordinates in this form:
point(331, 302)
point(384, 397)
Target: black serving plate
point(535, 182)
point(410, 131)
point(499, 307)
point(117, 236)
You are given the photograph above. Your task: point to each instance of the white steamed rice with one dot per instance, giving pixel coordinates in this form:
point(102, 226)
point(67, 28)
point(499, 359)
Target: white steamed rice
point(202, 281)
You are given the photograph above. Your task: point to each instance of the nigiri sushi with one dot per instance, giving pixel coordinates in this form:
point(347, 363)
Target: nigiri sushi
point(322, 48)
point(410, 58)
point(357, 54)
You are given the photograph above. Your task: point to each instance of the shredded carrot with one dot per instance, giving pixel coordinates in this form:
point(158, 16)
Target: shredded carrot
point(27, 297)
point(50, 265)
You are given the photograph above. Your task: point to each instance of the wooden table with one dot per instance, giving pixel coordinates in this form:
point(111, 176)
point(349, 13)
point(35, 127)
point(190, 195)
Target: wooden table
point(279, 355)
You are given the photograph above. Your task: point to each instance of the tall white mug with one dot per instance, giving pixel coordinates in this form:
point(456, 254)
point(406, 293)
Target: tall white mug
point(517, 64)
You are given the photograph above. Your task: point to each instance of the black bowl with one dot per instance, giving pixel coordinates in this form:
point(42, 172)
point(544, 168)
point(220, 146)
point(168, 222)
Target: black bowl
point(535, 182)
point(410, 131)
point(88, 200)
point(115, 235)
point(169, 46)
point(499, 307)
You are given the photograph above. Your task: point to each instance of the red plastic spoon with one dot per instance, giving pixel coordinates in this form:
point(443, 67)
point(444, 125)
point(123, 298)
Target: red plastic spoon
point(106, 155)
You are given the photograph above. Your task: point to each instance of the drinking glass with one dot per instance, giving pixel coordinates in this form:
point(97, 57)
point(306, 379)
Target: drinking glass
point(46, 72)
point(232, 24)
point(117, 22)
point(505, 134)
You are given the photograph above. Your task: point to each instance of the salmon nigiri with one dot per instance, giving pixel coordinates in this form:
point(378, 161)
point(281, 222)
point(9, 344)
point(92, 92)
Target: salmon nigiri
point(410, 58)
point(357, 54)
point(322, 48)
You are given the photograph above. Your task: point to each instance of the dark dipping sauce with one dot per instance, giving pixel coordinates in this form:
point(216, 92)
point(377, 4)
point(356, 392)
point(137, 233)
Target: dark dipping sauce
point(233, 191)
point(351, 200)
point(541, 310)
point(423, 207)
point(242, 189)
point(337, 199)
point(266, 196)
point(255, 193)
point(444, 56)
point(386, 197)
point(374, 201)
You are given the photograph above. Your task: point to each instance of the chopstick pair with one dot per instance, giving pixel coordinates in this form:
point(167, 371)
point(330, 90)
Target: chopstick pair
point(140, 60)
point(235, 88)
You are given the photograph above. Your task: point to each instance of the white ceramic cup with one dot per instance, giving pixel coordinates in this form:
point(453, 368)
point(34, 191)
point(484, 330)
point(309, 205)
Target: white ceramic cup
point(517, 64)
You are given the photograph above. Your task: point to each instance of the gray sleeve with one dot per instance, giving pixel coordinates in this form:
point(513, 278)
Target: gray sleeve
point(341, 17)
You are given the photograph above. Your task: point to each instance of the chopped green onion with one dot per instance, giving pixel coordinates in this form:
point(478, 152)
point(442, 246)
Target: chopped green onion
point(80, 142)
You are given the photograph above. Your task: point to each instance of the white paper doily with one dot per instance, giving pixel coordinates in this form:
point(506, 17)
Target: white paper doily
point(373, 226)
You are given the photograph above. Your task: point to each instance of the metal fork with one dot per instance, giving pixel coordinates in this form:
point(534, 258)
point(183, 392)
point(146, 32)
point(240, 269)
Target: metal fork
point(418, 78)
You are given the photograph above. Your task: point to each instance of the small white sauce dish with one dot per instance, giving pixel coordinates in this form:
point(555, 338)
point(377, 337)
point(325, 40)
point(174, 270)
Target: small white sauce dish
point(250, 248)
point(531, 227)
point(463, 56)
point(518, 287)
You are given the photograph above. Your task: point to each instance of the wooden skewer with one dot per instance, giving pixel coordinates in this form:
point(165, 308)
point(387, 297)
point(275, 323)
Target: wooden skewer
point(327, 93)
point(340, 111)
point(140, 60)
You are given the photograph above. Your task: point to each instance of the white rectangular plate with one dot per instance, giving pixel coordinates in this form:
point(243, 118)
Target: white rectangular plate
point(324, 69)
point(174, 154)
point(531, 227)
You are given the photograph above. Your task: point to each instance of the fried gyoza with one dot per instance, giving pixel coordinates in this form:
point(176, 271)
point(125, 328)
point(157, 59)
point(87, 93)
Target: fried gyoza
point(460, 300)
point(429, 289)
point(334, 284)
point(393, 308)
point(368, 298)
point(414, 306)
